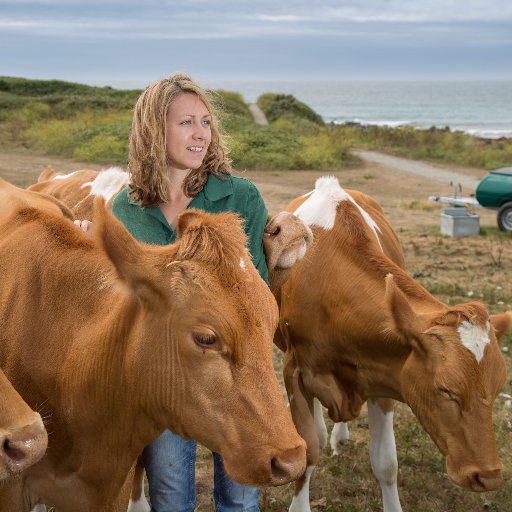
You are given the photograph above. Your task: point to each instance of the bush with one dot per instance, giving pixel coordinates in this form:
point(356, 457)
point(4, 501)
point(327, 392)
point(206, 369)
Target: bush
point(277, 106)
point(107, 149)
point(228, 103)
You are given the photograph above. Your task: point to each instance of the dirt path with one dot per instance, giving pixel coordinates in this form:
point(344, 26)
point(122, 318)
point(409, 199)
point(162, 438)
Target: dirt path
point(258, 114)
point(466, 180)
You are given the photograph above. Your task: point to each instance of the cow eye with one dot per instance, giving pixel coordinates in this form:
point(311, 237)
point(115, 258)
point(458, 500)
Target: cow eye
point(450, 395)
point(205, 340)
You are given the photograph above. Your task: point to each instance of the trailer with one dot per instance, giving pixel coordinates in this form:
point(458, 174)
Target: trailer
point(493, 191)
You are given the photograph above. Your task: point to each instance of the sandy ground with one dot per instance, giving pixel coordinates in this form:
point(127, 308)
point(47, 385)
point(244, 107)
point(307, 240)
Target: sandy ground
point(396, 190)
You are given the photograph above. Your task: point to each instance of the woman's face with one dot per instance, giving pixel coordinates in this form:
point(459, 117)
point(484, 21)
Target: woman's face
point(188, 132)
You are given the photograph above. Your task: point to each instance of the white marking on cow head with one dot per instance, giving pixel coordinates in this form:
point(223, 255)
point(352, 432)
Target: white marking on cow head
point(242, 264)
point(63, 176)
point(474, 338)
point(107, 183)
point(319, 209)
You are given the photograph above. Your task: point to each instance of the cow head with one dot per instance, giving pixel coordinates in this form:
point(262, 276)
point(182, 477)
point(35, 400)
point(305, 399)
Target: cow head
point(286, 240)
point(450, 379)
point(23, 438)
point(204, 358)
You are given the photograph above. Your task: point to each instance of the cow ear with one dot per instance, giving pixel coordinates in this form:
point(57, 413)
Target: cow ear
point(502, 323)
point(404, 321)
point(189, 219)
point(133, 261)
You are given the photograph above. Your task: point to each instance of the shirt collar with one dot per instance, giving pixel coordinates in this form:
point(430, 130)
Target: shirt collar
point(218, 188)
point(214, 190)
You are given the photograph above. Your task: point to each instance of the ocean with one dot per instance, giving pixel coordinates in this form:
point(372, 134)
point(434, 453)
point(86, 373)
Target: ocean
point(481, 108)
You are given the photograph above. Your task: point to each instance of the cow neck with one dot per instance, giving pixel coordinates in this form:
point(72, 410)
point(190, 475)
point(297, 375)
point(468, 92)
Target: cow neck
point(119, 415)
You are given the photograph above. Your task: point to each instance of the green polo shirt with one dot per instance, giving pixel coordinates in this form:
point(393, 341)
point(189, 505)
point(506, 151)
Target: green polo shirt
point(231, 195)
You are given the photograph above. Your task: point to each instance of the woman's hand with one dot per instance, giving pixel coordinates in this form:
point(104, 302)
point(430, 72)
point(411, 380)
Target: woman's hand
point(84, 225)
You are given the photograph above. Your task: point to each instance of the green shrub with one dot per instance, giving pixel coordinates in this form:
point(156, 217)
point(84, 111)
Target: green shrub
point(276, 106)
point(229, 103)
point(262, 147)
point(107, 149)
point(54, 137)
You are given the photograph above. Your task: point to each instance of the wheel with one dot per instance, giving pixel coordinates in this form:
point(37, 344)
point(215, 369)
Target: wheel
point(505, 217)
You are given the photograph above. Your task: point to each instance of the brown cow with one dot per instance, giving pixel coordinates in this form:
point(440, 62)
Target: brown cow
point(357, 328)
point(23, 438)
point(78, 189)
point(286, 240)
point(122, 340)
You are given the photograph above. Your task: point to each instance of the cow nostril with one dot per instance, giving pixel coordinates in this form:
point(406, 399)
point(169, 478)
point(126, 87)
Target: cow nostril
point(14, 453)
point(289, 465)
point(280, 470)
point(487, 480)
point(273, 232)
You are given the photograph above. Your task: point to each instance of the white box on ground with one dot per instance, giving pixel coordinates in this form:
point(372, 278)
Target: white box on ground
point(459, 222)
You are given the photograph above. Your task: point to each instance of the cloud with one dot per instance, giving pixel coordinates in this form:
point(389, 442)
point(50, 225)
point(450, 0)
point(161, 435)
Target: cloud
point(247, 35)
point(203, 19)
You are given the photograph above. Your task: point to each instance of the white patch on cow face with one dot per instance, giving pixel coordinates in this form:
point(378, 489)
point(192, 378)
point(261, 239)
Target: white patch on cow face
point(474, 338)
point(242, 264)
point(319, 209)
point(107, 183)
point(63, 176)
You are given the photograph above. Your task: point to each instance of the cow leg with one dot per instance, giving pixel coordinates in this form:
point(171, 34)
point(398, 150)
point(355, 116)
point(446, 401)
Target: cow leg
point(302, 409)
point(339, 436)
point(320, 428)
point(383, 451)
point(138, 501)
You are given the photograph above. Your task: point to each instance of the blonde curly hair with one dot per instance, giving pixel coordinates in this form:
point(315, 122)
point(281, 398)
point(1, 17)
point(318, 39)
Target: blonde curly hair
point(147, 157)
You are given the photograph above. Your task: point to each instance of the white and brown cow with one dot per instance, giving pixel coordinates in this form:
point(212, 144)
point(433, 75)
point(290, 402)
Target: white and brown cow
point(121, 340)
point(23, 438)
point(78, 189)
point(356, 328)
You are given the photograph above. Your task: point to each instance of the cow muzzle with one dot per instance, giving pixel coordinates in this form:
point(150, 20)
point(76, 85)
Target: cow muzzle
point(289, 466)
point(272, 469)
point(21, 448)
point(478, 479)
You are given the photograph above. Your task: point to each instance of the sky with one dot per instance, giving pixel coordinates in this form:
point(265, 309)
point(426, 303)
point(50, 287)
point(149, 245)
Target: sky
point(131, 43)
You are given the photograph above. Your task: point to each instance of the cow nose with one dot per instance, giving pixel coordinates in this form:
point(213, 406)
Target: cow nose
point(486, 480)
point(288, 466)
point(23, 447)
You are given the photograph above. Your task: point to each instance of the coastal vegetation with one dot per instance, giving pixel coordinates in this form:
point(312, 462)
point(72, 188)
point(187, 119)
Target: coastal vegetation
point(93, 123)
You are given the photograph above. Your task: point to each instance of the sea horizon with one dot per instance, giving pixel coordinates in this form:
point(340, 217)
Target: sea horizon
point(478, 107)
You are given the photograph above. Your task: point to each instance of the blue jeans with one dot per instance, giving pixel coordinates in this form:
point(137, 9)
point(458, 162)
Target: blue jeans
point(170, 467)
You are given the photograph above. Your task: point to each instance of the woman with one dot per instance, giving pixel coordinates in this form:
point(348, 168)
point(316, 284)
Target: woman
point(177, 160)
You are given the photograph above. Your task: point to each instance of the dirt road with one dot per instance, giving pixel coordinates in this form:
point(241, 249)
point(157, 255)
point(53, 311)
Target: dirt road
point(433, 172)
